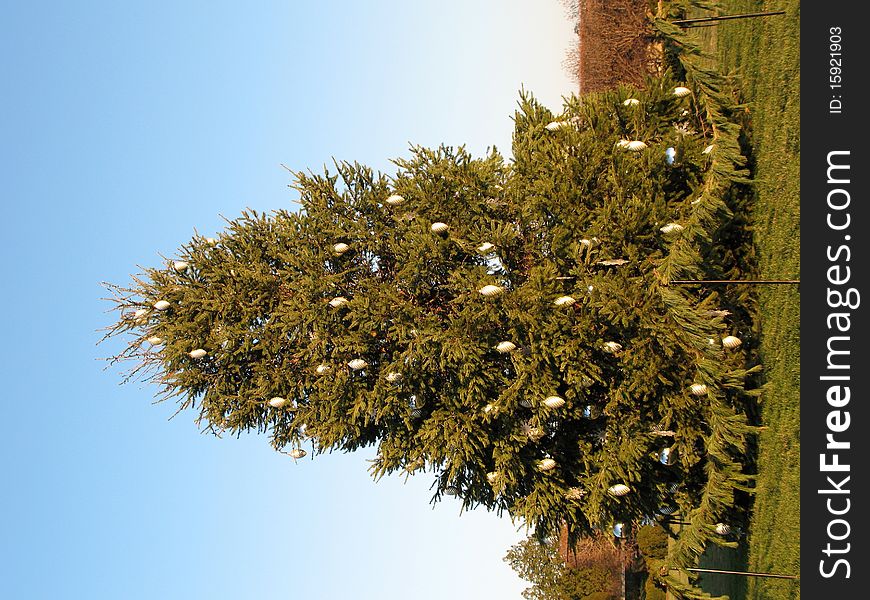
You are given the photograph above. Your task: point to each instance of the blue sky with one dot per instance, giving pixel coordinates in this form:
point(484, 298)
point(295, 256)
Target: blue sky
point(124, 127)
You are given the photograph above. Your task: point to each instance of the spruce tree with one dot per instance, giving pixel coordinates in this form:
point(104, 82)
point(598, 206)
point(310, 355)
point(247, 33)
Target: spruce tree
point(506, 326)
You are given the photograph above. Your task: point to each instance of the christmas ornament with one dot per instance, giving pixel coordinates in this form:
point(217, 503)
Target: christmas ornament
point(546, 464)
point(555, 125)
point(357, 364)
point(631, 102)
point(492, 476)
point(394, 200)
point(322, 368)
point(635, 146)
point(140, 314)
point(526, 403)
point(485, 248)
point(667, 510)
point(393, 376)
point(574, 493)
point(671, 228)
point(698, 389)
point(618, 529)
point(154, 340)
point(681, 91)
point(439, 227)
point(673, 488)
point(564, 301)
point(670, 155)
point(731, 342)
point(340, 248)
point(623, 143)
point(180, 266)
point(198, 353)
point(489, 408)
point(451, 490)
point(723, 528)
point(491, 290)
point(505, 347)
point(161, 305)
point(338, 301)
point(416, 413)
point(666, 456)
point(553, 402)
point(297, 453)
point(277, 402)
point(708, 149)
point(612, 347)
point(620, 489)
point(612, 262)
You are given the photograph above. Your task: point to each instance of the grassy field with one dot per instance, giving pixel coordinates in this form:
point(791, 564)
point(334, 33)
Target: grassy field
point(765, 54)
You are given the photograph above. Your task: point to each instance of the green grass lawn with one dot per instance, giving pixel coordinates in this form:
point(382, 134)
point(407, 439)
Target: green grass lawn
point(765, 54)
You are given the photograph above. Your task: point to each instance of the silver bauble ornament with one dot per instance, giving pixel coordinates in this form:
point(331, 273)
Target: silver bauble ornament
point(698, 389)
point(553, 402)
point(672, 228)
point(723, 528)
point(161, 305)
point(394, 200)
point(340, 248)
point(277, 402)
point(505, 347)
point(491, 290)
point(619, 489)
point(486, 248)
point(612, 347)
point(393, 376)
point(666, 456)
point(564, 301)
point(155, 340)
point(439, 227)
point(322, 368)
point(198, 353)
point(731, 342)
point(546, 464)
point(180, 266)
point(297, 453)
point(630, 102)
point(338, 301)
point(681, 91)
point(357, 364)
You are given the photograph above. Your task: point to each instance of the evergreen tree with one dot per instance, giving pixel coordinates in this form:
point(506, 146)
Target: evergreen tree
point(506, 326)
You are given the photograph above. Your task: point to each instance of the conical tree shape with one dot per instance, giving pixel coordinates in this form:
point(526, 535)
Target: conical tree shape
point(378, 315)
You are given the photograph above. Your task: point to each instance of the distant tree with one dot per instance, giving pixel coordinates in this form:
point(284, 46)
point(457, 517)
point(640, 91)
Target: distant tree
point(652, 541)
point(538, 562)
point(508, 327)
